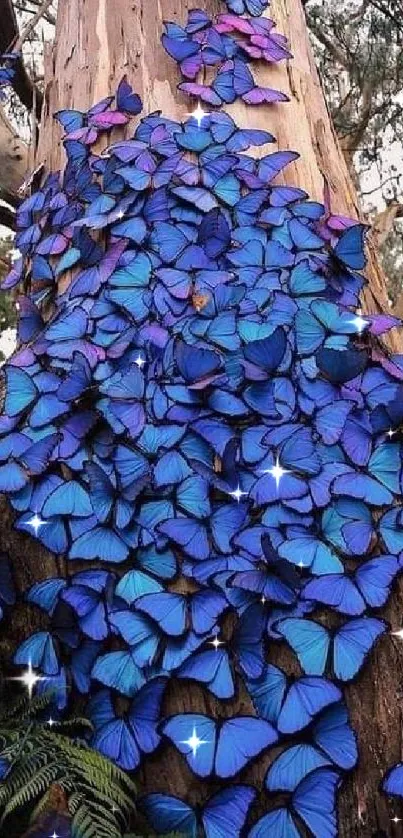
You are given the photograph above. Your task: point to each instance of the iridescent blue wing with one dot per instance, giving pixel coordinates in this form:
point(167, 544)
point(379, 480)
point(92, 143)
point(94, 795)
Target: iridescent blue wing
point(211, 668)
point(334, 735)
point(310, 642)
point(225, 813)
point(292, 766)
point(278, 822)
point(38, 651)
point(118, 671)
point(314, 800)
point(305, 698)
point(194, 736)
point(375, 577)
point(240, 740)
point(169, 814)
point(126, 100)
point(144, 714)
point(393, 781)
point(350, 247)
point(69, 498)
point(205, 608)
point(168, 610)
point(267, 692)
point(21, 391)
point(352, 644)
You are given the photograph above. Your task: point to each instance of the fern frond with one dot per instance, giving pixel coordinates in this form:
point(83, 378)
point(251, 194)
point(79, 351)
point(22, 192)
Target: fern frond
point(100, 796)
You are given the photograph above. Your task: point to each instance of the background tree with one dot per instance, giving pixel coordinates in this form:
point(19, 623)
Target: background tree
point(358, 49)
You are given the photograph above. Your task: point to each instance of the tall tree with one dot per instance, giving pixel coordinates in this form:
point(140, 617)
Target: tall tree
point(96, 43)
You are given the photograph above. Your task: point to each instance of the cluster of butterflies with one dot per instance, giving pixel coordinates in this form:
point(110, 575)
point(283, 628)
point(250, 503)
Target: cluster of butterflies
point(231, 43)
point(205, 401)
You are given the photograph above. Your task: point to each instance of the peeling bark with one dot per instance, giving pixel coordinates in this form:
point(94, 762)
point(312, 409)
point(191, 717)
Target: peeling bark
point(97, 41)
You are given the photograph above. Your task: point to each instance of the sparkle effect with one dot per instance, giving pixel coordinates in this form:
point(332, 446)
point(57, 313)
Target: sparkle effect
point(54, 835)
point(359, 323)
point(276, 471)
point(238, 494)
point(140, 362)
point(198, 114)
point(29, 679)
point(36, 522)
point(216, 642)
point(398, 634)
point(194, 742)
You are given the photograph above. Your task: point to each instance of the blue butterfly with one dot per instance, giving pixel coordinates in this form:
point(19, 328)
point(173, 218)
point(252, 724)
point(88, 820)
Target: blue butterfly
point(393, 781)
point(173, 611)
point(290, 706)
point(370, 585)
point(313, 800)
point(221, 749)
point(349, 645)
point(212, 669)
point(350, 247)
point(124, 740)
point(224, 813)
point(119, 671)
point(39, 652)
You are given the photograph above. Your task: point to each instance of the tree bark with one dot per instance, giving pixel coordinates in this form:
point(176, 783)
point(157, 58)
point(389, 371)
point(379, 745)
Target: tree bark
point(97, 41)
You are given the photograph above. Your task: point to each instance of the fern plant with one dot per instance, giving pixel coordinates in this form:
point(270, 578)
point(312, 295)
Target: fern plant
point(35, 759)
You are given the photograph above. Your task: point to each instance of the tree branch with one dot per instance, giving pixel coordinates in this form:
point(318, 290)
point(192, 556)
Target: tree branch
point(16, 46)
point(7, 217)
point(331, 47)
point(22, 83)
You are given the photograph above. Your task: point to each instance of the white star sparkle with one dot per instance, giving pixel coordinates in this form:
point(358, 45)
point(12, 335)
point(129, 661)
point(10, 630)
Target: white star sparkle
point(390, 433)
point(51, 722)
point(194, 742)
point(359, 322)
point(276, 471)
point(29, 679)
point(55, 835)
point(36, 522)
point(198, 114)
point(238, 494)
point(140, 362)
point(398, 634)
point(395, 819)
point(263, 600)
point(216, 642)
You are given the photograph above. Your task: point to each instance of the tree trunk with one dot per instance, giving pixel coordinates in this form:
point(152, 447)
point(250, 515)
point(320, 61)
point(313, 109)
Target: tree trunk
point(97, 41)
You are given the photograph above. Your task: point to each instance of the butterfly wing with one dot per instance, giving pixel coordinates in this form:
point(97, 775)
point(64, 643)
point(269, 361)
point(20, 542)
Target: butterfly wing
point(168, 610)
point(240, 740)
point(310, 642)
point(352, 643)
point(225, 813)
point(306, 697)
point(334, 735)
point(168, 814)
point(211, 668)
point(314, 801)
point(194, 736)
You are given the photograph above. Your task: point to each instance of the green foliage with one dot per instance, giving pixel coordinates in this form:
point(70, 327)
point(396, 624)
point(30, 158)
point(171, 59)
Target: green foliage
point(100, 797)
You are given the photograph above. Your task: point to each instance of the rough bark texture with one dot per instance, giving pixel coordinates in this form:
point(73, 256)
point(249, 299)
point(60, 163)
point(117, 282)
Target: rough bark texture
point(97, 41)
